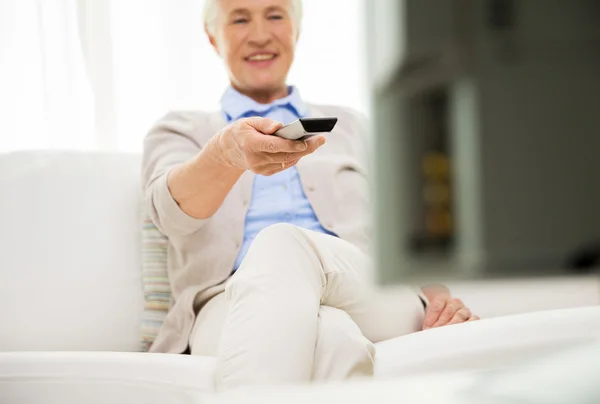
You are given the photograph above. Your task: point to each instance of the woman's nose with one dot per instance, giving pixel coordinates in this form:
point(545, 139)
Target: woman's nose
point(259, 33)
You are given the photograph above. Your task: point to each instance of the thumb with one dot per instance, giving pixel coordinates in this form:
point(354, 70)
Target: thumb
point(265, 125)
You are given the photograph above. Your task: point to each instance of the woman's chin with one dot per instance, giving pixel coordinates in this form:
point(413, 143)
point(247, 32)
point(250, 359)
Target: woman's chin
point(267, 86)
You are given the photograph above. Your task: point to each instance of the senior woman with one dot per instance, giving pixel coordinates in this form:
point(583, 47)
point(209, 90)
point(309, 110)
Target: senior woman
point(268, 237)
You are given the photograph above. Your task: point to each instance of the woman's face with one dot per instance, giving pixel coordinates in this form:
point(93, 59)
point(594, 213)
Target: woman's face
point(257, 40)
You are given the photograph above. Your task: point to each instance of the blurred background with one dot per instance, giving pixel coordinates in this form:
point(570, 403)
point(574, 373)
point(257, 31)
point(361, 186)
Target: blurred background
point(486, 115)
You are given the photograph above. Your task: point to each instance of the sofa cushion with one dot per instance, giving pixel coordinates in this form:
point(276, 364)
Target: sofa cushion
point(157, 289)
point(70, 251)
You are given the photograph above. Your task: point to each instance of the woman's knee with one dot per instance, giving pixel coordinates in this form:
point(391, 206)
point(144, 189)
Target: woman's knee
point(278, 234)
point(275, 243)
point(280, 257)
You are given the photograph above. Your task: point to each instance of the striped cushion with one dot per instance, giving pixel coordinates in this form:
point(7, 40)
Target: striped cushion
point(157, 290)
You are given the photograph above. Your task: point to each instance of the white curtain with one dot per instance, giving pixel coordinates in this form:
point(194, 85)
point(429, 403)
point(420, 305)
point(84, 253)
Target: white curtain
point(96, 74)
point(45, 96)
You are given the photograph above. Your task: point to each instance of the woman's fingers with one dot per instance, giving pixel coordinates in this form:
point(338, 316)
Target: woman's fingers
point(454, 311)
point(434, 310)
point(461, 315)
point(287, 157)
point(274, 144)
point(262, 125)
point(449, 311)
point(260, 160)
point(274, 168)
point(261, 143)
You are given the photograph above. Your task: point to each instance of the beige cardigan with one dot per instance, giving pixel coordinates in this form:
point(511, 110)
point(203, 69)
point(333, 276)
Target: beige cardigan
point(201, 253)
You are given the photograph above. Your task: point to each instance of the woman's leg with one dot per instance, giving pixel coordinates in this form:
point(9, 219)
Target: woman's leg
point(341, 351)
point(208, 327)
point(274, 298)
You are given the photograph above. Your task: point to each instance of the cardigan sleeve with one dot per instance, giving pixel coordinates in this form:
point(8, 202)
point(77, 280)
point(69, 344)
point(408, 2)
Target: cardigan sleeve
point(172, 141)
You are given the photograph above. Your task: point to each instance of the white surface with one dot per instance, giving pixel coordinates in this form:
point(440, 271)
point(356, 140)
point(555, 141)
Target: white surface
point(568, 377)
point(70, 276)
point(488, 344)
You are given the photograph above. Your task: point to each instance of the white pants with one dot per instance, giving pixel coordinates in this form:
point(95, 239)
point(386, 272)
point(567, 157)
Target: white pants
point(301, 307)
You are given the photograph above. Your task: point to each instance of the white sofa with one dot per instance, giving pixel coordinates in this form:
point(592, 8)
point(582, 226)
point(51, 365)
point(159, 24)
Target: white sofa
point(71, 296)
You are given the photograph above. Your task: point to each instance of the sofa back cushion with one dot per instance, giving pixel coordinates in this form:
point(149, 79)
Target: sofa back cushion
point(70, 267)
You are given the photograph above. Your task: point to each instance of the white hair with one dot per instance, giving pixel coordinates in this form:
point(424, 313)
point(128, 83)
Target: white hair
point(211, 8)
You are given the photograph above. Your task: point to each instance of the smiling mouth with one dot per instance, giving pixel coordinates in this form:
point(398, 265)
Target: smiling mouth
point(261, 57)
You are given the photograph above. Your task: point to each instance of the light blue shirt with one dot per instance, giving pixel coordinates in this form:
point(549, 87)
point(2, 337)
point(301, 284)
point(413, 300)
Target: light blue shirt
point(280, 197)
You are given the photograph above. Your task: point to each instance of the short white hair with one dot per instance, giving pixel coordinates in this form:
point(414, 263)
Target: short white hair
point(211, 8)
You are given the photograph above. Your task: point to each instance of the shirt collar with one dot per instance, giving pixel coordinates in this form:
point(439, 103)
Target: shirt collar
point(235, 105)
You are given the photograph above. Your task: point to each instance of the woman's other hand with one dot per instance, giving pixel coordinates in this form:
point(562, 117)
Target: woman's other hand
point(443, 309)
